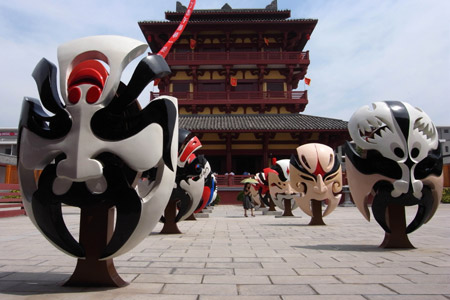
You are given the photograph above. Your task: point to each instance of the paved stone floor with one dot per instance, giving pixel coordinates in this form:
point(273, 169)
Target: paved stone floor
point(227, 256)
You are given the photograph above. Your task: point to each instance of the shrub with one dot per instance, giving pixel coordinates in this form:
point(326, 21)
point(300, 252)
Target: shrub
point(240, 196)
point(446, 195)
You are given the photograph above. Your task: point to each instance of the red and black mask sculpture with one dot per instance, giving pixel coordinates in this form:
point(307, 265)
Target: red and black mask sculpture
point(398, 158)
point(96, 142)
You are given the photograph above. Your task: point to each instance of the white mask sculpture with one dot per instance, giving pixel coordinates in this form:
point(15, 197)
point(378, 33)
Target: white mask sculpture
point(316, 174)
point(399, 162)
point(94, 146)
point(280, 189)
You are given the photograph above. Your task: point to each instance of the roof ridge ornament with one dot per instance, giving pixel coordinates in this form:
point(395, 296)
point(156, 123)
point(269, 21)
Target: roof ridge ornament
point(272, 6)
point(180, 7)
point(227, 7)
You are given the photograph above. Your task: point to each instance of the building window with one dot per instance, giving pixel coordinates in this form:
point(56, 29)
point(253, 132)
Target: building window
point(445, 130)
point(446, 149)
point(246, 87)
point(179, 87)
point(8, 151)
point(211, 87)
point(275, 86)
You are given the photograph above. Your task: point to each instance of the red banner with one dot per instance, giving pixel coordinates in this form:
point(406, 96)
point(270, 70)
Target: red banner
point(192, 43)
point(166, 48)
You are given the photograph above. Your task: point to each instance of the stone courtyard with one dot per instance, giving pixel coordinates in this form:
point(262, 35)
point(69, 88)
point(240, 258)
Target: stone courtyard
point(228, 256)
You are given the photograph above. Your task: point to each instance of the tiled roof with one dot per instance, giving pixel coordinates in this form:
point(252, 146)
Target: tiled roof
point(256, 122)
point(231, 21)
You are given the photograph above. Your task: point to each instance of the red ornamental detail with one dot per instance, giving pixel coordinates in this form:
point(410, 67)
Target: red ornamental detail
point(74, 94)
point(90, 72)
point(190, 148)
point(319, 170)
point(165, 50)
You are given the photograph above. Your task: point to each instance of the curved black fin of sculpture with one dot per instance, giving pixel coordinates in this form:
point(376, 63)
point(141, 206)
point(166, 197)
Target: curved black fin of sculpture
point(381, 202)
point(128, 216)
point(148, 69)
point(264, 198)
point(45, 76)
point(184, 204)
point(374, 163)
point(107, 124)
point(48, 215)
point(34, 117)
point(424, 210)
point(39, 122)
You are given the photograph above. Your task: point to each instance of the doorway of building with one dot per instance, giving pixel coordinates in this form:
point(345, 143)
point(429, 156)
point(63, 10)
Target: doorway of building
point(246, 163)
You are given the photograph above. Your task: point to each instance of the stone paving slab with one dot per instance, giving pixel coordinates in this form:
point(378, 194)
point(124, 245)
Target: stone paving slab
point(228, 257)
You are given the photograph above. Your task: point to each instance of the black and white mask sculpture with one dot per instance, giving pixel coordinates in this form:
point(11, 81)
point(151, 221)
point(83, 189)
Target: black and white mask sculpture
point(189, 182)
point(401, 161)
point(97, 141)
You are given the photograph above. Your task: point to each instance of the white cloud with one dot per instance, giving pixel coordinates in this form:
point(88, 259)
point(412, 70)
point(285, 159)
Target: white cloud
point(365, 51)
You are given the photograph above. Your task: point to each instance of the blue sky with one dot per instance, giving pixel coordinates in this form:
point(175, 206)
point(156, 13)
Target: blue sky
point(361, 51)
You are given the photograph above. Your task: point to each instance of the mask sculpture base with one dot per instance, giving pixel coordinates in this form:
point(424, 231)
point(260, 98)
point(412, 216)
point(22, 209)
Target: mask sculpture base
point(96, 229)
point(316, 218)
point(397, 238)
point(287, 209)
point(170, 224)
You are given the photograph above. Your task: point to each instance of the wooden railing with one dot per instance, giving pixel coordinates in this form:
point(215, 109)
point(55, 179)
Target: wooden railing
point(237, 57)
point(10, 201)
point(232, 96)
point(230, 180)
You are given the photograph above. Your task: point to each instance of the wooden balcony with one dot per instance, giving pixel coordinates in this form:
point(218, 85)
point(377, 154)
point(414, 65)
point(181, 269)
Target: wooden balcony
point(199, 98)
point(294, 101)
point(237, 58)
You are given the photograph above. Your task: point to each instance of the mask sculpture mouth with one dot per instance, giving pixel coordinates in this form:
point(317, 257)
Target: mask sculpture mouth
point(397, 158)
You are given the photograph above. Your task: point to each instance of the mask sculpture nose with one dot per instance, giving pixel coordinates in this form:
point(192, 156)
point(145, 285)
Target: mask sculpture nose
point(320, 187)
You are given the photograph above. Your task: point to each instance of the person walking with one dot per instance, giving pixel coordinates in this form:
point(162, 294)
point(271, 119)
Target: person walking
point(247, 203)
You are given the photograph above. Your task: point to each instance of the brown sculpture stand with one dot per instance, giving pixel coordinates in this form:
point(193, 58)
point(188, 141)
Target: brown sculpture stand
point(96, 228)
point(262, 205)
point(287, 208)
point(396, 221)
point(170, 226)
point(191, 218)
point(271, 205)
point(316, 208)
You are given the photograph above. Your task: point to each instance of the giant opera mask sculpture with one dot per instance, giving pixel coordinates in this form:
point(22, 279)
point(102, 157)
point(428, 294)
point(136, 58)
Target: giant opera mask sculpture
point(399, 162)
point(280, 188)
point(189, 183)
point(94, 145)
point(316, 174)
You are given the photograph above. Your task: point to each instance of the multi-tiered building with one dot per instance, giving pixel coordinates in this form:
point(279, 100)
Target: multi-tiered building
point(236, 74)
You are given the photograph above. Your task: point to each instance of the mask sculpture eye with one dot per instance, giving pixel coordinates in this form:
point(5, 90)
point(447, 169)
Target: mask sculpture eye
point(401, 164)
point(316, 175)
point(88, 155)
